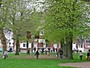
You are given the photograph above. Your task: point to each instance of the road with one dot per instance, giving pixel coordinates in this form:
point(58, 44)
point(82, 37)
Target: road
point(78, 65)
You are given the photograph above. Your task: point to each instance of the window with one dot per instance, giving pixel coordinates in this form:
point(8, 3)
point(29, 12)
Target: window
point(87, 41)
point(24, 45)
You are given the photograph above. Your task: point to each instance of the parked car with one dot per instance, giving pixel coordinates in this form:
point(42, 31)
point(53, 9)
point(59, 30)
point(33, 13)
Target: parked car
point(0, 49)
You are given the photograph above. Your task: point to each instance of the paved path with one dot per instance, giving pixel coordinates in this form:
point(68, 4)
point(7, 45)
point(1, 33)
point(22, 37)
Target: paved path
point(77, 65)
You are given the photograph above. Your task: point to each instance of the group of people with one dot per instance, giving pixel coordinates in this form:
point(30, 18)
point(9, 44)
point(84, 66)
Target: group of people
point(58, 54)
point(87, 55)
point(5, 55)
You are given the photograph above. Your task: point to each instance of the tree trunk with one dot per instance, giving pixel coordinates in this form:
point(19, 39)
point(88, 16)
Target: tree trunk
point(66, 50)
point(0, 3)
point(66, 44)
point(17, 46)
point(69, 42)
point(3, 40)
point(28, 50)
point(63, 46)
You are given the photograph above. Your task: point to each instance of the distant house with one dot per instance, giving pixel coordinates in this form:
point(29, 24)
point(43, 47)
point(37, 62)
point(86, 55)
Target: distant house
point(83, 45)
point(87, 44)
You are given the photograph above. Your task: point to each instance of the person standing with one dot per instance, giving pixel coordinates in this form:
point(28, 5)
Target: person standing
point(80, 55)
point(88, 55)
point(42, 50)
point(5, 55)
point(61, 53)
point(37, 54)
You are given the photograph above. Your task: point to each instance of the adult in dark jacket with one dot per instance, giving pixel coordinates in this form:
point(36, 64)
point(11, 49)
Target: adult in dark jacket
point(37, 54)
point(61, 53)
point(88, 55)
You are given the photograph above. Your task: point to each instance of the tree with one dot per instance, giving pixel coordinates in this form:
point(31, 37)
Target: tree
point(2, 25)
point(8, 12)
point(20, 18)
point(67, 19)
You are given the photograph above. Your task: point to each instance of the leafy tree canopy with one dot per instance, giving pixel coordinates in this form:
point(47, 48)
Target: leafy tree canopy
point(66, 16)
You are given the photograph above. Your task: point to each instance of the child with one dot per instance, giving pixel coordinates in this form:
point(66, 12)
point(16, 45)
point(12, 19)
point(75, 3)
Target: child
point(5, 55)
point(80, 55)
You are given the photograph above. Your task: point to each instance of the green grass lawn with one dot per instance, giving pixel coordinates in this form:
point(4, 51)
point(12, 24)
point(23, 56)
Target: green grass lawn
point(34, 63)
point(24, 63)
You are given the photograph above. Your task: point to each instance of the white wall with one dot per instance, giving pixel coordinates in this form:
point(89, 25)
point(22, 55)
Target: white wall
point(25, 44)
